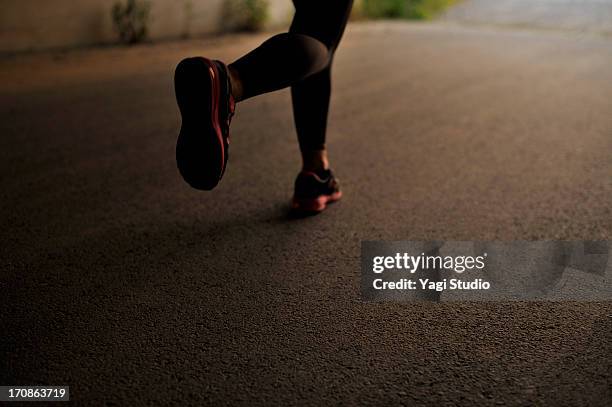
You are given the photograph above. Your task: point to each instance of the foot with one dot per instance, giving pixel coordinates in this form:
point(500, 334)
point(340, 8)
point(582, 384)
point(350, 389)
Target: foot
point(204, 97)
point(313, 191)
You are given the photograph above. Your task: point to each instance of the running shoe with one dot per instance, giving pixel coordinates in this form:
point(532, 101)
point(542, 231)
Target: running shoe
point(204, 96)
point(314, 191)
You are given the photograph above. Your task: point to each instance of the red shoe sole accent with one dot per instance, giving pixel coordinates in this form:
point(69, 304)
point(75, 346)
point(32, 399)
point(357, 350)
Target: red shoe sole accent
point(315, 205)
point(216, 93)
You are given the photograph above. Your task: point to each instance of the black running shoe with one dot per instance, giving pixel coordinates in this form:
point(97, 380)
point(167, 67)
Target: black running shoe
point(314, 191)
point(204, 97)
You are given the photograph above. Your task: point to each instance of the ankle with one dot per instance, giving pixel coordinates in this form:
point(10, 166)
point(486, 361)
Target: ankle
point(315, 161)
point(235, 82)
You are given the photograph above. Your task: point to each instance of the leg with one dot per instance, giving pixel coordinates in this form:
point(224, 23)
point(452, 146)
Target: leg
point(288, 58)
point(316, 186)
point(276, 64)
point(325, 22)
point(310, 99)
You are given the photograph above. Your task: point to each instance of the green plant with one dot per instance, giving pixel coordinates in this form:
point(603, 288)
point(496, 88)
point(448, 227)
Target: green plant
point(410, 9)
point(426, 9)
point(245, 15)
point(131, 20)
point(383, 8)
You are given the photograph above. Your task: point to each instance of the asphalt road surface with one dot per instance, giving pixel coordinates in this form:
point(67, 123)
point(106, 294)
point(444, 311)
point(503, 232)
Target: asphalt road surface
point(122, 282)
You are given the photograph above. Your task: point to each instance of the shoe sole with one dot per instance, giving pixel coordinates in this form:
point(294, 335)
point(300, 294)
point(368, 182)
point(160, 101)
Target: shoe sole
point(315, 205)
point(200, 150)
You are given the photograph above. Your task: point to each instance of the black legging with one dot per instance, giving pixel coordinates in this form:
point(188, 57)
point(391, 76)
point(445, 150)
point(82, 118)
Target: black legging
point(302, 59)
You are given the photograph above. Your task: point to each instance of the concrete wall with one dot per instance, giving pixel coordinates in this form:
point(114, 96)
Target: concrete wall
point(42, 24)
